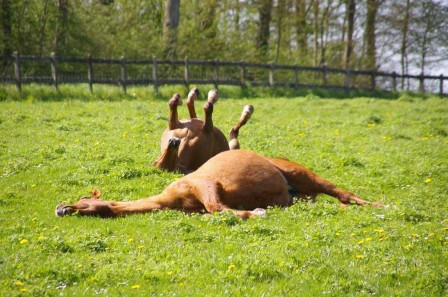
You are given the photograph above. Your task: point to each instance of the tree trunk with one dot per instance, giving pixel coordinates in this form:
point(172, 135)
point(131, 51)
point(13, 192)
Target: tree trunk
point(265, 13)
point(237, 16)
point(42, 27)
point(170, 25)
point(315, 5)
point(404, 45)
point(61, 25)
point(301, 28)
point(370, 34)
point(280, 15)
point(350, 15)
point(6, 28)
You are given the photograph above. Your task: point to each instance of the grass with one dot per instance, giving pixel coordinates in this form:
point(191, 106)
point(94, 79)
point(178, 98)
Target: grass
point(393, 151)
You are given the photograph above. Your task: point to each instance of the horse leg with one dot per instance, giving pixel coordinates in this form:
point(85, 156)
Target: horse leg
point(192, 96)
point(310, 184)
point(168, 159)
point(248, 110)
point(173, 122)
point(208, 193)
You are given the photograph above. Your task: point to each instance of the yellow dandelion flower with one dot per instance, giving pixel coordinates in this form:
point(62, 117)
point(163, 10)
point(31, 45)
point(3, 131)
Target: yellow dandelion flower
point(24, 241)
point(19, 283)
point(135, 287)
point(140, 246)
point(428, 180)
point(169, 273)
point(139, 269)
point(130, 240)
point(338, 234)
point(231, 266)
point(361, 241)
point(371, 125)
point(360, 256)
point(368, 239)
point(378, 230)
point(23, 290)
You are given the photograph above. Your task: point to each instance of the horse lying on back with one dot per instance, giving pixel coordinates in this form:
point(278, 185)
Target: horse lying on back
point(198, 140)
point(239, 181)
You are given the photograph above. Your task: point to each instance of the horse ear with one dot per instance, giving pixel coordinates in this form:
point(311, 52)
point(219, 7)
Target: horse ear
point(96, 194)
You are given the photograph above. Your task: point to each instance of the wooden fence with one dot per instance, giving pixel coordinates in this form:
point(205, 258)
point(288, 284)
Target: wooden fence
point(55, 70)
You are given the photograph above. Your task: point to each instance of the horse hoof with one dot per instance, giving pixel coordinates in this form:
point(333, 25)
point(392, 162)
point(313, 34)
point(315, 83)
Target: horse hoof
point(259, 212)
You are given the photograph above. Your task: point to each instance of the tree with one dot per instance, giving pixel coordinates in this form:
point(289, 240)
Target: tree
point(6, 28)
point(281, 11)
point(61, 24)
point(170, 26)
point(262, 39)
point(370, 34)
point(429, 35)
point(350, 17)
point(404, 41)
point(301, 28)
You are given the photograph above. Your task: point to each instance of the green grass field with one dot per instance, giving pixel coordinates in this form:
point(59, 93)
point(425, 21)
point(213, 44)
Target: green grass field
point(393, 151)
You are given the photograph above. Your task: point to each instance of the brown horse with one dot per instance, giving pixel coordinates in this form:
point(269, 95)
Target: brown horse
point(230, 181)
point(188, 144)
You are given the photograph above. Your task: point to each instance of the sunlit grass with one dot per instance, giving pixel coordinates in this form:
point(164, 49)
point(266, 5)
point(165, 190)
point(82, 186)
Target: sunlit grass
point(393, 151)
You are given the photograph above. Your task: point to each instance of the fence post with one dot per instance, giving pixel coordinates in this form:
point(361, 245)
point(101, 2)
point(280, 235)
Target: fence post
point(187, 72)
point(17, 72)
point(324, 74)
point(271, 74)
point(54, 69)
point(242, 73)
point(347, 80)
point(90, 73)
point(296, 76)
point(372, 81)
point(394, 81)
point(216, 73)
point(441, 84)
point(422, 83)
point(123, 73)
point(154, 75)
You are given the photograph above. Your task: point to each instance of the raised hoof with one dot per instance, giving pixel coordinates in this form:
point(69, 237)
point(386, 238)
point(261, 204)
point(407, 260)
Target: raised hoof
point(212, 96)
point(175, 101)
point(173, 143)
point(259, 212)
point(193, 94)
point(248, 109)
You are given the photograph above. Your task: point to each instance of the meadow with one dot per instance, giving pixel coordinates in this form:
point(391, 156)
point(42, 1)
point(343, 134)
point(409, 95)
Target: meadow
point(390, 150)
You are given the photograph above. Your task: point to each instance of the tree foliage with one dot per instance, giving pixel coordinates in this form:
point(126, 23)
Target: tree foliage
point(364, 34)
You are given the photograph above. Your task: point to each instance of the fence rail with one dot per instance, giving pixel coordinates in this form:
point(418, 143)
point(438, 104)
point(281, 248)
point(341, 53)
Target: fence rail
point(54, 70)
